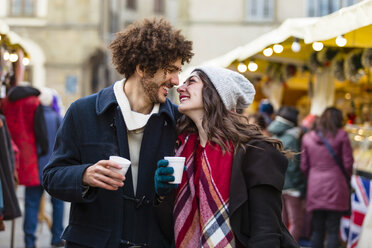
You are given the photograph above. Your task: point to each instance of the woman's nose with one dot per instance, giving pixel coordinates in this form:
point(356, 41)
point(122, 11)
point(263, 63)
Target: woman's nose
point(181, 88)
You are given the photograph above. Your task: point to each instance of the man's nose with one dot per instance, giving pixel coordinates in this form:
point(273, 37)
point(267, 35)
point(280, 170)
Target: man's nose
point(175, 80)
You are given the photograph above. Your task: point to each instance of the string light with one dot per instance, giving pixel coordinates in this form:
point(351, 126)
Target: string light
point(296, 47)
point(6, 56)
point(318, 46)
point(268, 52)
point(252, 66)
point(341, 41)
point(26, 61)
point(13, 57)
point(278, 48)
point(242, 67)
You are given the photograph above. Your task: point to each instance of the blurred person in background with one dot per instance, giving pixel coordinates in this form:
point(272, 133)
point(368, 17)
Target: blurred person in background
point(34, 193)
point(133, 119)
point(25, 118)
point(284, 127)
point(267, 110)
point(259, 120)
point(230, 194)
point(328, 192)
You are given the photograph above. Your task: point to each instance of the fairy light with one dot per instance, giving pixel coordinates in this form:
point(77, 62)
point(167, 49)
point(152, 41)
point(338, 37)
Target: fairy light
point(268, 52)
point(13, 57)
point(6, 56)
point(341, 41)
point(318, 46)
point(358, 138)
point(252, 66)
point(26, 61)
point(278, 48)
point(242, 67)
point(296, 47)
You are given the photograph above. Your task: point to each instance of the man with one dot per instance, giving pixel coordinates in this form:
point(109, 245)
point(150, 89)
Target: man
point(133, 119)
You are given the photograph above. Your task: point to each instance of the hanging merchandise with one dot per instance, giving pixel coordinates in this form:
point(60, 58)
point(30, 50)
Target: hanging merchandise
point(326, 55)
point(337, 68)
point(274, 72)
point(289, 71)
point(367, 58)
point(353, 66)
point(313, 62)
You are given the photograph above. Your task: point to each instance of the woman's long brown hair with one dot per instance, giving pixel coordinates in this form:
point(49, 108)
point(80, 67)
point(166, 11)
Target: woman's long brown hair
point(222, 125)
point(330, 121)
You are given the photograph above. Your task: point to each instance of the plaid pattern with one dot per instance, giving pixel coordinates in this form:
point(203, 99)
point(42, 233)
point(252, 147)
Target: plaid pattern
point(201, 209)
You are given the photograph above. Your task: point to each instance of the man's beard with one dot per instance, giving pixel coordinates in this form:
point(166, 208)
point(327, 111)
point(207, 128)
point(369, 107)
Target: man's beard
point(152, 90)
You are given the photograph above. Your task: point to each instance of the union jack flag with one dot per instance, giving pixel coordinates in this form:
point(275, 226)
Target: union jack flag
point(351, 226)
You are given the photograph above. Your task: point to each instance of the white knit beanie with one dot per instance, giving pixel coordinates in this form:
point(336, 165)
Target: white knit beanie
point(234, 89)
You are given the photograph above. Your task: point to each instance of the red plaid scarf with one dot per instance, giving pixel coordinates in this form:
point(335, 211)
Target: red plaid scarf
point(201, 209)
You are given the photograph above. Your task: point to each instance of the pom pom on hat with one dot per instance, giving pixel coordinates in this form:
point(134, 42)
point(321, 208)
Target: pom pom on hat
point(234, 89)
point(46, 97)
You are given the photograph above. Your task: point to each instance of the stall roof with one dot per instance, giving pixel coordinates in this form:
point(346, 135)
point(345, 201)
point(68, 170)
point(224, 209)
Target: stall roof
point(344, 21)
point(4, 28)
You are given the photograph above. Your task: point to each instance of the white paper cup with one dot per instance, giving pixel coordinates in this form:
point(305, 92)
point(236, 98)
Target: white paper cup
point(125, 163)
point(177, 163)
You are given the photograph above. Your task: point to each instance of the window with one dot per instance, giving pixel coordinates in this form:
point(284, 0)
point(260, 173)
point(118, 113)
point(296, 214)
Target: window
point(132, 4)
point(22, 7)
point(325, 7)
point(260, 10)
point(159, 6)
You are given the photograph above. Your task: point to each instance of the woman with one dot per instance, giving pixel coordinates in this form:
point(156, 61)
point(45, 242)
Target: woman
point(230, 194)
point(327, 189)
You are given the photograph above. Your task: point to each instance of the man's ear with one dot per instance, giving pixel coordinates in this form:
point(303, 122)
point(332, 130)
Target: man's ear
point(139, 71)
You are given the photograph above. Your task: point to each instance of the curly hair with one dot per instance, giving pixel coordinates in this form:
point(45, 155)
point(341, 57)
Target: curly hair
point(222, 125)
point(152, 44)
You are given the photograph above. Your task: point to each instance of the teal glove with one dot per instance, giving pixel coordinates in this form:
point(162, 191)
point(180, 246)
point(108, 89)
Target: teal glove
point(163, 175)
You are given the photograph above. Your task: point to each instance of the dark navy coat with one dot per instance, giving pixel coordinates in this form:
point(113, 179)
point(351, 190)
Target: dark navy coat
point(92, 130)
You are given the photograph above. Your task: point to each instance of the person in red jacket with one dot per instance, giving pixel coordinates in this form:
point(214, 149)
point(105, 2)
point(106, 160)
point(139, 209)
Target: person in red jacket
point(25, 118)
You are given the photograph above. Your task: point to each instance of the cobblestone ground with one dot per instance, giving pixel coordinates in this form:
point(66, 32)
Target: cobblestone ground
point(42, 232)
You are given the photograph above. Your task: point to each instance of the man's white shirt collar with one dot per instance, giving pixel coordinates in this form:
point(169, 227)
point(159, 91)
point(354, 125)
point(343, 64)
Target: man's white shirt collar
point(133, 120)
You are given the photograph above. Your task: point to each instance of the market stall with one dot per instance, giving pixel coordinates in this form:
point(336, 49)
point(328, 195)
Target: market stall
point(12, 56)
point(313, 63)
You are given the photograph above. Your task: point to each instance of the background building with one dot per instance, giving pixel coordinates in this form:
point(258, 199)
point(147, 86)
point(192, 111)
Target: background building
point(218, 26)
point(67, 40)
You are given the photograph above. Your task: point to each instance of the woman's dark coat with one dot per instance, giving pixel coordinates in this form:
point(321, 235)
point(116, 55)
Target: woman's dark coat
point(255, 205)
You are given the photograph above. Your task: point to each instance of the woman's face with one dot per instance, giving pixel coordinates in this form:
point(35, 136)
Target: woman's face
point(191, 96)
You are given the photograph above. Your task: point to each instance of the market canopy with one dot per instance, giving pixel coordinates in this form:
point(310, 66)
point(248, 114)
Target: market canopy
point(10, 38)
point(353, 22)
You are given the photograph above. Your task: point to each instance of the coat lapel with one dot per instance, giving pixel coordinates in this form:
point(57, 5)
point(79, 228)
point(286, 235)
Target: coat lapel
point(238, 187)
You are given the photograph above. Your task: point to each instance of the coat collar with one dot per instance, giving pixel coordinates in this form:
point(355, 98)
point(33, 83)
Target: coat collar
point(106, 99)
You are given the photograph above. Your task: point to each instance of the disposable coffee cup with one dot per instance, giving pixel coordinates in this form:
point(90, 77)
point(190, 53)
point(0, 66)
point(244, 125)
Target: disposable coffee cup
point(177, 163)
point(125, 163)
